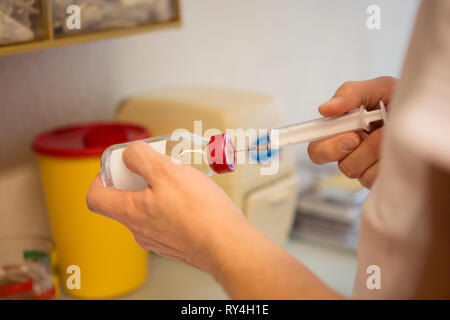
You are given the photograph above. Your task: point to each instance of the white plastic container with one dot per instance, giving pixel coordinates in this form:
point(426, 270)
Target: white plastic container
point(214, 155)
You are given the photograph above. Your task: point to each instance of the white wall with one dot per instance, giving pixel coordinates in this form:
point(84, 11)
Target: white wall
point(296, 50)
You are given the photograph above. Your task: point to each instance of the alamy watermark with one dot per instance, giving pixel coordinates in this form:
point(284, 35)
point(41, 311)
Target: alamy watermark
point(374, 280)
point(73, 21)
point(73, 281)
point(373, 21)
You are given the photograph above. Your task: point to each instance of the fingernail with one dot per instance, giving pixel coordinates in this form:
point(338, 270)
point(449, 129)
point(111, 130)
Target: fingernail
point(348, 144)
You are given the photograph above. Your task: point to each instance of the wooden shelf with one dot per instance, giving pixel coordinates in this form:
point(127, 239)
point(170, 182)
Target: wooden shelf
point(46, 38)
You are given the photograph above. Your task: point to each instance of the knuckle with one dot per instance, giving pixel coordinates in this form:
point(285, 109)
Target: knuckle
point(90, 201)
point(389, 81)
point(149, 233)
point(373, 142)
point(348, 169)
point(129, 211)
point(135, 147)
point(348, 87)
point(313, 154)
point(164, 169)
point(363, 183)
point(165, 166)
point(141, 243)
point(367, 182)
point(148, 202)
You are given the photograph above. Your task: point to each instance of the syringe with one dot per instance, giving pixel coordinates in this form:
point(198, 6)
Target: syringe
point(317, 129)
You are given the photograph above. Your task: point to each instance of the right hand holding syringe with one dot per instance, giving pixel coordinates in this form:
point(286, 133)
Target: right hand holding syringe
point(354, 120)
point(357, 153)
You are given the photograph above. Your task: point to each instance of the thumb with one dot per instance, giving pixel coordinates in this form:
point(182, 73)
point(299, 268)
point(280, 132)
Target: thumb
point(353, 94)
point(145, 161)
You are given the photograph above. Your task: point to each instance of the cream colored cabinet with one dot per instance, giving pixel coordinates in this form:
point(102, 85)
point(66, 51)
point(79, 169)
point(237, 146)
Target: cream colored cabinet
point(271, 209)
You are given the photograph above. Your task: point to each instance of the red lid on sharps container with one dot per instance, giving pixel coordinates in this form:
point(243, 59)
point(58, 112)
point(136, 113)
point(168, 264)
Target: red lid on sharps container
point(222, 156)
point(86, 140)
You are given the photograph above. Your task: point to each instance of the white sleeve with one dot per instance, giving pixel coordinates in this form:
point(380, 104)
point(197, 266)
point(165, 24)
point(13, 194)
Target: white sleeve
point(421, 106)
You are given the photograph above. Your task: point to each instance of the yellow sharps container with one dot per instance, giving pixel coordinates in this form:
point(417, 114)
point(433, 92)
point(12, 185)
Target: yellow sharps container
point(97, 257)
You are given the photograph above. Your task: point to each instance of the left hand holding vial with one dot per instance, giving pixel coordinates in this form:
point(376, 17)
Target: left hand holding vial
point(182, 214)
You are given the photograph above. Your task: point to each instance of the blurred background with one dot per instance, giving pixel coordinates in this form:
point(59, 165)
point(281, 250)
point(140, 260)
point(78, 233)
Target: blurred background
point(296, 51)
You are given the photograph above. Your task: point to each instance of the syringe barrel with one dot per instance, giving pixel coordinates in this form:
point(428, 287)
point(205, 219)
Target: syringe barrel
point(355, 120)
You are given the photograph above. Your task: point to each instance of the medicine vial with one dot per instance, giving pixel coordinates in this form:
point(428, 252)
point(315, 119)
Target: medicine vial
point(213, 155)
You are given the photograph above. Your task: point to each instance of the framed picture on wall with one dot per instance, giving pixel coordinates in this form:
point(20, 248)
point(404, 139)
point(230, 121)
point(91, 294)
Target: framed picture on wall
point(27, 25)
point(21, 21)
point(101, 15)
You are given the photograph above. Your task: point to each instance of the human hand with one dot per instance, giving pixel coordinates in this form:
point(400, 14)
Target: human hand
point(357, 153)
point(182, 214)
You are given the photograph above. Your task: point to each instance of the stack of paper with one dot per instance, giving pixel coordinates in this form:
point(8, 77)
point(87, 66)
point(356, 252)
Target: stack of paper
point(329, 211)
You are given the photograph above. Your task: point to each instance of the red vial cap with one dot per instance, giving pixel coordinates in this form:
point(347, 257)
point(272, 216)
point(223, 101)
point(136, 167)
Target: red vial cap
point(222, 156)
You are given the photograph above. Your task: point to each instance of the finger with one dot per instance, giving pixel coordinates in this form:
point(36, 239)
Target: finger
point(159, 249)
point(334, 148)
point(112, 203)
point(149, 244)
point(152, 244)
point(369, 176)
point(353, 94)
point(142, 159)
point(363, 157)
point(363, 135)
point(154, 240)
